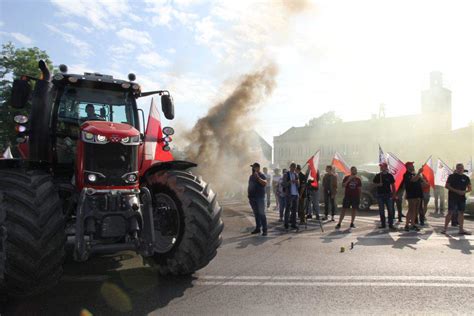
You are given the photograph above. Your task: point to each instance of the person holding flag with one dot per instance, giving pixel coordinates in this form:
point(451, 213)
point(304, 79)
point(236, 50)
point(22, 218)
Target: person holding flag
point(458, 185)
point(385, 194)
point(313, 186)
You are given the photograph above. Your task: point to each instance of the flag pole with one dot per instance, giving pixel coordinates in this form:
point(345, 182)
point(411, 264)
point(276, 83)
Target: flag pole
point(426, 161)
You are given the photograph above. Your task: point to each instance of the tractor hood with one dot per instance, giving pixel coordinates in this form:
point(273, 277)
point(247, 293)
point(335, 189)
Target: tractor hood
point(109, 129)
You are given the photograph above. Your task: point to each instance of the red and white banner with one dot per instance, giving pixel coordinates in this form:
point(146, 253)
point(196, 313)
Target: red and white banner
point(429, 172)
point(397, 168)
point(153, 151)
point(313, 163)
point(340, 164)
point(382, 156)
point(442, 173)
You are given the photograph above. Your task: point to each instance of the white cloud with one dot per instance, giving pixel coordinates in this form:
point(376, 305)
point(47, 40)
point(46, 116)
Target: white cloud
point(152, 60)
point(99, 13)
point(19, 37)
point(83, 49)
point(171, 51)
point(136, 36)
point(166, 12)
point(77, 27)
point(2, 23)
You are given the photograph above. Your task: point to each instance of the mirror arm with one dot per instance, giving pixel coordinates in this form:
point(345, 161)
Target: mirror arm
point(160, 92)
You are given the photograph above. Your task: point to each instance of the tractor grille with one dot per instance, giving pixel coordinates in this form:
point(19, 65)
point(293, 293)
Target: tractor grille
point(113, 160)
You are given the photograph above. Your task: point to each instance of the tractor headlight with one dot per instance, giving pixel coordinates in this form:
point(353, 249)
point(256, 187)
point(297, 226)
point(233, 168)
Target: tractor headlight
point(133, 140)
point(168, 130)
point(130, 177)
point(101, 138)
point(92, 177)
point(94, 139)
point(88, 136)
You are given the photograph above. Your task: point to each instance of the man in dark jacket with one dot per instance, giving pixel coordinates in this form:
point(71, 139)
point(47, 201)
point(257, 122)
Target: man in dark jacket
point(291, 190)
point(302, 195)
point(256, 195)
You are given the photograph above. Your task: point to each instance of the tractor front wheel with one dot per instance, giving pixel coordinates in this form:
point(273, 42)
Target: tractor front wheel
point(187, 220)
point(32, 236)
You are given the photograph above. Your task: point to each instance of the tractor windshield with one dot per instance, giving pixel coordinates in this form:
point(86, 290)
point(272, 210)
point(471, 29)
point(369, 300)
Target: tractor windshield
point(80, 104)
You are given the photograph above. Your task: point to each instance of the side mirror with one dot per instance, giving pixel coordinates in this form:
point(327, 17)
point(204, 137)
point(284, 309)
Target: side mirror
point(21, 92)
point(167, 106)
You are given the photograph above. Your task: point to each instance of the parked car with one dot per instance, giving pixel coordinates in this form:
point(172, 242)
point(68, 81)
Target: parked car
point(470, 204)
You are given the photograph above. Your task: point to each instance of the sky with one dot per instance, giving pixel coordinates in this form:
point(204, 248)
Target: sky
point(343, 56)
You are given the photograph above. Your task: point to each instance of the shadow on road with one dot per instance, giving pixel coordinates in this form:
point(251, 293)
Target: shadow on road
point(98, 288)
point(462, 244)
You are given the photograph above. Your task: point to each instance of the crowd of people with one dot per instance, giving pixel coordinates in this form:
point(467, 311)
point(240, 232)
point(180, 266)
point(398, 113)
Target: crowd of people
point(297, 197)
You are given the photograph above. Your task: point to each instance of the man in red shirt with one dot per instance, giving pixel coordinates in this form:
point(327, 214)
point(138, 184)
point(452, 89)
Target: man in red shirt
point(352, 185)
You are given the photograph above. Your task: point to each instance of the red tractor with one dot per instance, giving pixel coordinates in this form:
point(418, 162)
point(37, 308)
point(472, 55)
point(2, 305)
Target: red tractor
point(93, 180)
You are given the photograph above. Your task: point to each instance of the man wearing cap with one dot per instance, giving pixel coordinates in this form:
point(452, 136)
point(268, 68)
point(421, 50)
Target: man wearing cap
point(458, 185)
point(385, 194)
point(413, 182)
point(256, 195)
point(291, 186)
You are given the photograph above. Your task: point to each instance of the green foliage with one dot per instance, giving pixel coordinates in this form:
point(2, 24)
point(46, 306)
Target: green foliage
point(328, 118)
point(14, 63)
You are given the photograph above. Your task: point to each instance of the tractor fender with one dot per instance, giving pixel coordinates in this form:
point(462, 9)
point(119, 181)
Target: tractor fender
point(169, 165)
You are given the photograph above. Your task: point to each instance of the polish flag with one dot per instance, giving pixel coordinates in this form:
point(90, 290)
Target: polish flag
point(153, 151)
point(382, 156)
point(313, 163)
point(340, 164)
point(442, 173)
point(397, 168)
point(428, 172)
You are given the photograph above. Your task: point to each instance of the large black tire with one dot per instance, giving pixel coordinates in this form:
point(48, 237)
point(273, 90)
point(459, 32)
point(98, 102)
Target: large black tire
point(32, 218)
point(198, 218)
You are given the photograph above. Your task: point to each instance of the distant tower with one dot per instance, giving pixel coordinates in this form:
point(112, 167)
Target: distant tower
point(436, 102)
point(382, 110)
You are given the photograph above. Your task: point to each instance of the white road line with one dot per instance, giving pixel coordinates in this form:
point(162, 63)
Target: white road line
point(333, 284)
point(341, 278)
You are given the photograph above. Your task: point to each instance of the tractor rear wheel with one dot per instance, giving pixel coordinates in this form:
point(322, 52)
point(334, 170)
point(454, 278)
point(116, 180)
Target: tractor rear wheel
point(32, 232)
point(187, 220)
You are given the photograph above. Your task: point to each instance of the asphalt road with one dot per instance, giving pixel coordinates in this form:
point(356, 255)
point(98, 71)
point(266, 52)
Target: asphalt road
point(284, 273)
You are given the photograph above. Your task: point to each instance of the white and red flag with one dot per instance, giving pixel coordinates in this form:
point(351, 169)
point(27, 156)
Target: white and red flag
point(313, 163)
point(340, 164)
point(429, 172)
point(153, 140)
point(382, 156)
point(397, 168)
point(442, 173)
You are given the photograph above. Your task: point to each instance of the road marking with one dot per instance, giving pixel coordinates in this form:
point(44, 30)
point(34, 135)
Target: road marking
point(334, 284)
point(341, 281)
point(342, 278)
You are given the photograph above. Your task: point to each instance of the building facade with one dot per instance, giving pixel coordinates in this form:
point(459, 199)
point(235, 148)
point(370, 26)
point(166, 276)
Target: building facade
point(412, 137)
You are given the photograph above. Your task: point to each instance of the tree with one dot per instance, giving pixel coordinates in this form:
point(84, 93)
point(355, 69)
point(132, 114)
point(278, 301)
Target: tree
point(14, 63)
point(328, 118)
